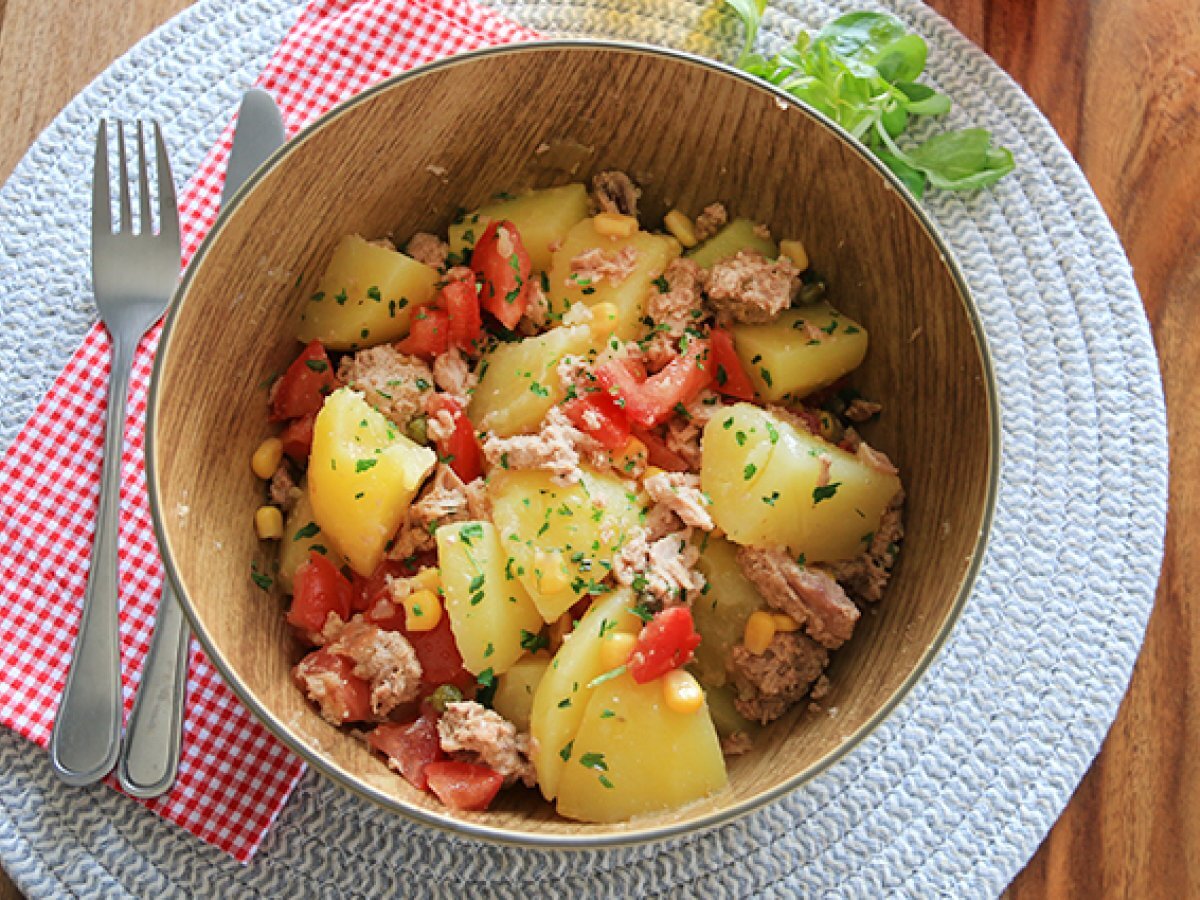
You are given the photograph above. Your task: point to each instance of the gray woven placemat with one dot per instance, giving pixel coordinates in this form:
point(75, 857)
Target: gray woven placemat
point(955, 792)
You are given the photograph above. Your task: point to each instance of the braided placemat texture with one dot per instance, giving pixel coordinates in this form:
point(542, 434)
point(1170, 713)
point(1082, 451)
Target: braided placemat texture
point(954, 793)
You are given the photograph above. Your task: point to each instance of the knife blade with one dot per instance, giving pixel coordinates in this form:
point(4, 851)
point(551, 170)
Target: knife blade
point(258, 134)
point(150, 753)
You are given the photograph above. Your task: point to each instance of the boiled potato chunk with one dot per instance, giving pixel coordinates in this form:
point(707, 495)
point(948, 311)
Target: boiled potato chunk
point(739, 437)
point(790, 502)
point(516, 688)
point(366, 296)
point(300, 535)
point(520, 380)
point(737, 235)
point(488, 607)
point(726, 719)
point(653, 254)
point(563, 692)
point(542, 218)
point(633, 754)
point(804, 349)
point(362, 476)
point(562, 539)
point(721, 611)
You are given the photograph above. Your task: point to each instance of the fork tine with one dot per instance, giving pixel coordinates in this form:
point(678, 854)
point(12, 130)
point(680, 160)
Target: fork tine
point(168, 207)
point(101, 198)
point(126, 210)
point(145, 226)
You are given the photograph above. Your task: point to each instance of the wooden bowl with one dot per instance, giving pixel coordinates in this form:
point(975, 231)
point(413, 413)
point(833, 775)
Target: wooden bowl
point(401, 158)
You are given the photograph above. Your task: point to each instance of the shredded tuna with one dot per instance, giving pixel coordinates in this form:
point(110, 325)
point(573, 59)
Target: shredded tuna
point(384, 659)
point(810, 596)
point(762, 231)
point(459, 273)
point(820, 689)
point(324, 687)
point(383, 242)
point(680, 493)
point(283, 490)
point(866, 576)
point(614, 192)
point(673, 311)
point(452, 374)
point(537, 312)
point(768, 684)
point(667, 566)
point(428, 249)
point(860, 410)
point(875, 459)
point(444, 499)
point(478, 734)
point(683, 433)
point(824, 463)
point(850, 440)
point(555, 449)
point(736, 744)
point(710, 221)
point(395, 384)
point(748, 287)
point(440, 424)
point(593, 266)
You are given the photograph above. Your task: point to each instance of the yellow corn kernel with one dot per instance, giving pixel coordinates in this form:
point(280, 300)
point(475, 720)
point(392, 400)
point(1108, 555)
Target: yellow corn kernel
point(268, 522)
point(615, 649)
point(682, 692)
point(422, 611)
point(265, 459)
point(681, 226)
point(794, 250)
point(652, 470)
point(614, 225)
point(604, 321)
point(784, 622)
point(676, 247)
point(760, 631)
point(429, 579)
point(551, 573)
point(631, 457)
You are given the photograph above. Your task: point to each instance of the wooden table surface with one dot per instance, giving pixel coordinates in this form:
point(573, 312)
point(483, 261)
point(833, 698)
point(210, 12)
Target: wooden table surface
point(1120, 80)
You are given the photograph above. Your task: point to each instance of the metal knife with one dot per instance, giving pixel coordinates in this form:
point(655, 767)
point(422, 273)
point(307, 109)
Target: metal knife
point(150, 753)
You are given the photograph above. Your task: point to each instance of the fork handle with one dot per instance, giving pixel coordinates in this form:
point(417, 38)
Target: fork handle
point(150, 754)
point(87, 729)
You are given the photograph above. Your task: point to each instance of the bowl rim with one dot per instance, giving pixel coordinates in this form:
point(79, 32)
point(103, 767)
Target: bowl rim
point(444, 821)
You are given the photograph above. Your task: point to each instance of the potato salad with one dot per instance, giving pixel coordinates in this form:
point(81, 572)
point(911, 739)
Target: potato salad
point(571, 499)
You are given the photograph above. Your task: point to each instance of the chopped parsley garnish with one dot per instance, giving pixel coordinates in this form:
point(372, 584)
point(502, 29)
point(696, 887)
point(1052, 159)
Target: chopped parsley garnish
point(317, 365)
point(309, 530)
point(594, 761)
point(373, 293)
point(825, 492)
point(263, 581)
point(565, 752)
point(471, 532)
point(363, 464)
point(748, 472)
point(534, 642)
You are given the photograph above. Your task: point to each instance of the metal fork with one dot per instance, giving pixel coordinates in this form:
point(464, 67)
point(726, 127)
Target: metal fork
point(133, 277)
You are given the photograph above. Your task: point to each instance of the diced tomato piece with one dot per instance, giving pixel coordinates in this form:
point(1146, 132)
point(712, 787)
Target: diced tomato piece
point(651, 401)
point(297, 438)
point(730, 378)
point(461, 303)
point(501, 262)
point(462, 447)
point(319, 589)
point(665, 643)
point(411, 747)
point(463, 785)
point(659, 454)
point(599, 416)
point(429, 335)
point(302, 388)
point(346, 697)
point(441, 663)
point(368, 589)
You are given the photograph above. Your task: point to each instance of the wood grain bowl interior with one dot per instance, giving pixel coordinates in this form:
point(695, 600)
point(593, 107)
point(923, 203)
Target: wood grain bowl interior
point(401, 159)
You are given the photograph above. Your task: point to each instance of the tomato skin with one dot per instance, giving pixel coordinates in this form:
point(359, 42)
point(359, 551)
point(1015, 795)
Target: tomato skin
point(463, 785)
point(319, 589)
point(352, 697)
point(411, 747)
point(652, 400)
point(297, 438)
point(613, 430)
point(501, 263)
point(659, 454)
point(429, 335)
point(462, 447)
point(441, 663)
point(301, 389)
point(729, 377)
point(461, 304)
point(666, 642)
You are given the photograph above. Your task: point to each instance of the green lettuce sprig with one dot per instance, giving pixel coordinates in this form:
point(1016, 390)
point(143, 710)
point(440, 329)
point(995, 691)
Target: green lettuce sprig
point(861, 70)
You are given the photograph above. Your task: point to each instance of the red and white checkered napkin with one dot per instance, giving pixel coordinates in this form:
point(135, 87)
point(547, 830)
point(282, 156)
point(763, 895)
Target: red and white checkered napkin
point(234, 777)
